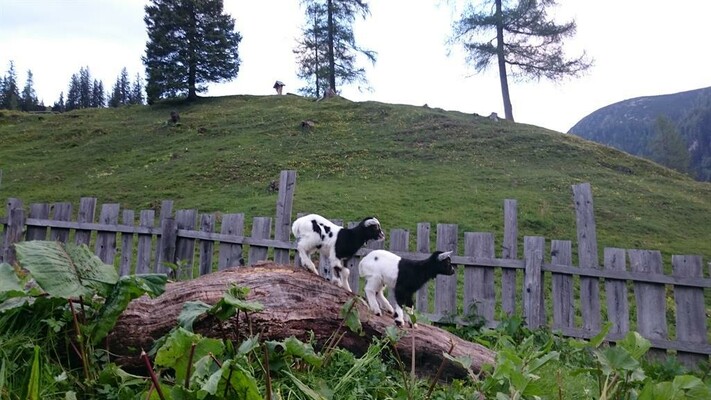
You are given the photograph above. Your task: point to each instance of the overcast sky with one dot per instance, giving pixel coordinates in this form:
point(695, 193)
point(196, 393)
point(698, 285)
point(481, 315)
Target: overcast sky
point(640, 47)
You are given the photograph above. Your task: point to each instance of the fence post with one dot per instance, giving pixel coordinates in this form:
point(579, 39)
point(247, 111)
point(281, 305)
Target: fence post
point(533, 247)
point(13, 230)
point(650, 298)
point(230, 253)
point(446, 286)
point(166, 251)
point(62, 212)
point(563, 296)
point(510, 251)
point(587, 256)
point(166, 210)
point(690, 308)
point(616, 292)
point(261, 229)
point(38, 211)
point(87, 210)
point(185, 247)
point(282, 225)
point(207, 224)
point(479, 289)
point(143, 257)
point(423, 246)
point(399, 239)
point(126, 243)
point(106, 241)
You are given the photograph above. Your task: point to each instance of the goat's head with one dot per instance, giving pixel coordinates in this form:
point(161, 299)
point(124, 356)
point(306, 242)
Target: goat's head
point(444, 263)
point(373, 231)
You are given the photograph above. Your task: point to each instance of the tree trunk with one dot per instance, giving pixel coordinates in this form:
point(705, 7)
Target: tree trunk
point(331, 45)
point(296, 303)
point(508, 111)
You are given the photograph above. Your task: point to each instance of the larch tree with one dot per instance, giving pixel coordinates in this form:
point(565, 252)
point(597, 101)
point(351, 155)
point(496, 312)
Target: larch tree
point(190, 43)
point(668, 147)
point(327, 51)
point(28, 97)
point(9, 91)
point(523, 40)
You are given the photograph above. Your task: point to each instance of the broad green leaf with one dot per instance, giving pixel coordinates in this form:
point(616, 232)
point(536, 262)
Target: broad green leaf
point(242, 385)
point(15, 302)
point(541, 361)
point(234, 300)
point(127, 288)
point(657, 391)
point(302, 350)
point(175, 353)
point(305, 389)
point(350, 313)
point(616, 359)
point(248, 345)
point(596, 340)
point(464, 361)
point(9, 280)
point(34, 383)
point(65, 270)
point(635, 344)
point(191, 311)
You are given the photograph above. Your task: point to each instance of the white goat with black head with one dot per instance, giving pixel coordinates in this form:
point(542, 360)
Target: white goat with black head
point(382, 269)
point(314, 232)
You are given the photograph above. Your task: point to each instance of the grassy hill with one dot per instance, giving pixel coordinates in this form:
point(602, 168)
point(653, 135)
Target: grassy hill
point(404, 164)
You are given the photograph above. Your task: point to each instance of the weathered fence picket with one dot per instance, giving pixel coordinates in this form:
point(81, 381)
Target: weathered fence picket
point(616, 292)
point(446, 286)
point(423, 246)
point(186, 237)
point(562, 289)
point(231, 253)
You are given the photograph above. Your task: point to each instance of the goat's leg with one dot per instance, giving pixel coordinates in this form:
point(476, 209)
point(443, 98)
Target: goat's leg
point(383, 301)
point(399, 315)
point(306, 259)
point(345, 273)
point(371, 288)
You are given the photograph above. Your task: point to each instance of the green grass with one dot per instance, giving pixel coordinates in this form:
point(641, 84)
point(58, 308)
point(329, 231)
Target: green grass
point(404, 164)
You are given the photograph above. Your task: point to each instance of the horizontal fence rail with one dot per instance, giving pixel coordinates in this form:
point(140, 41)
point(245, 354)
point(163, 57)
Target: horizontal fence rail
point(544, 284)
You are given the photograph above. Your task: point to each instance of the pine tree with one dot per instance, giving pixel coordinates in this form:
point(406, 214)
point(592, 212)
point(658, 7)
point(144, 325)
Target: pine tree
point(121, 91)
point(84, 88)
point(668, 147)
point(190, 43)
point(10, 91)
point(73, 94)
point(327, 52)
point(98, 99)
point(28, 98)
point(524, 40)
point(136, 94)
point(59, 104)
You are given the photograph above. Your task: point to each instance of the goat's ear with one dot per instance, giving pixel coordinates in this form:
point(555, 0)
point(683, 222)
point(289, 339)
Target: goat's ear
point(444, 256)
point(372, 221)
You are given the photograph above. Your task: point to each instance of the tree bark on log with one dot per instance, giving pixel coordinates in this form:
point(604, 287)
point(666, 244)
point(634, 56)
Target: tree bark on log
point(296, 303)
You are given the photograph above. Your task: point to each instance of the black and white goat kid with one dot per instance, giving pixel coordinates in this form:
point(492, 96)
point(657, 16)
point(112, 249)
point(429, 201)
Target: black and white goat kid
point(382, 269)
point(314, 232)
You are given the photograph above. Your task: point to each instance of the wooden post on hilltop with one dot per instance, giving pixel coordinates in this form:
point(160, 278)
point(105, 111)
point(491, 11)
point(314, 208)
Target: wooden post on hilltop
point(282, 225)
point(587, 256)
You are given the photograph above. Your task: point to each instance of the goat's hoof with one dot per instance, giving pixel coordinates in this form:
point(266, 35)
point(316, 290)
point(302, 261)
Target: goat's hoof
point(413, 326)
point(399, 323)
point(377, 314)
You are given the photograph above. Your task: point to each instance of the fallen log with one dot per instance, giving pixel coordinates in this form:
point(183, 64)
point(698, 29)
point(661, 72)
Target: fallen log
point(296, 303)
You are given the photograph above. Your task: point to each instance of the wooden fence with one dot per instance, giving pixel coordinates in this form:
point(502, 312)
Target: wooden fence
point(633, 282)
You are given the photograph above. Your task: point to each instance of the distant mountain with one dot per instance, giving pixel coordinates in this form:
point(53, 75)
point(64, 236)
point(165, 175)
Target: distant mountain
point(629, 125)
